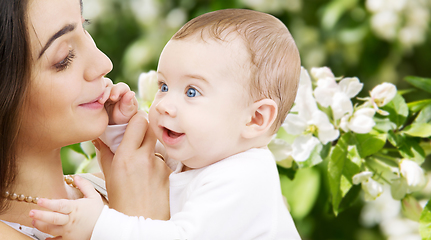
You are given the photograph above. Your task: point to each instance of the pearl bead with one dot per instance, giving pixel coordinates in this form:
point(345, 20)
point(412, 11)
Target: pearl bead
point(13, 196)
point(29, 199)
point(68, 179)
point(21, 197)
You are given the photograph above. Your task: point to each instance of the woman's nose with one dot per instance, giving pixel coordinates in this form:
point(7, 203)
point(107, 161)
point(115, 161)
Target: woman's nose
point(98, 64)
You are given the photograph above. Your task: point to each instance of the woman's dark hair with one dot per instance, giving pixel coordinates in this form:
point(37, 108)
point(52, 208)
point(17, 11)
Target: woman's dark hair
point(15, 59)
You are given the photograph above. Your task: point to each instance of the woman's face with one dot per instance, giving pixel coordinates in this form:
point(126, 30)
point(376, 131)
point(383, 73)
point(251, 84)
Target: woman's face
point(66, 77)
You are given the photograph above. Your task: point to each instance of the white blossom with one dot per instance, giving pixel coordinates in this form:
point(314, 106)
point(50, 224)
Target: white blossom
point(321, 73)
point(414, 175)
point(383, 93)
point(361, 122)
point(147, 85)
point(337, 96)
point(403, 20)
point(310, 125)
point(361, 177)
point(385, 24)
point(371, 187)
point(303, 146)
point(282, 152)
point(309, 118)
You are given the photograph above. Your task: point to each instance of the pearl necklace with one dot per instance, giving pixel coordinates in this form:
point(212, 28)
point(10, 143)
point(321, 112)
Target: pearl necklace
point(29, 199)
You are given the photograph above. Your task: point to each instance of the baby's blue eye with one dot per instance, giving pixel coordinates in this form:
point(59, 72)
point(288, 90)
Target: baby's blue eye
point(164, 87)
point(191, 92)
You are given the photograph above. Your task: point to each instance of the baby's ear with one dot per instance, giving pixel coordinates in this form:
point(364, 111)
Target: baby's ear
point(262, 116)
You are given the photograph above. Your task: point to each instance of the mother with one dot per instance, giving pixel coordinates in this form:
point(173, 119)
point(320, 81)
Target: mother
point(51, 73)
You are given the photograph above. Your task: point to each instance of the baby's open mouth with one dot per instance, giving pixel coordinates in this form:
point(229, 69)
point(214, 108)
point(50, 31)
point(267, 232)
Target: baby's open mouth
point(173, 134)
point(171, 137)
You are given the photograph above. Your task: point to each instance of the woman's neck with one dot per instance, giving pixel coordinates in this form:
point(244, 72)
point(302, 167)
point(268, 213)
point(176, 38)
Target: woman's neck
point(39, 174)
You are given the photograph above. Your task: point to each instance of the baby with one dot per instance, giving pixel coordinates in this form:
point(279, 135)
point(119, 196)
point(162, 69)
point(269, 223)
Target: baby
point(227, 80)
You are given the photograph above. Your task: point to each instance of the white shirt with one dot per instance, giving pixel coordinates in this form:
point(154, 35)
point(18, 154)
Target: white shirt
point(236, 198)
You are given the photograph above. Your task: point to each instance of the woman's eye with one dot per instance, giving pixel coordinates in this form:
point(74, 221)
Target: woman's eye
point(191, 92)
point(164, 87)
point(65, 63)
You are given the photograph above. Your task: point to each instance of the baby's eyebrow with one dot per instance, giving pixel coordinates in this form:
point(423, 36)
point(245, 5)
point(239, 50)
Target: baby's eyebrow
point(196, 77)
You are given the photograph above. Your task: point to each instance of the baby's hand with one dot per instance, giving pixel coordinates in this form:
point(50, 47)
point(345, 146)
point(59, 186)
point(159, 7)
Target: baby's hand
point(121, 104)
point(71, 219)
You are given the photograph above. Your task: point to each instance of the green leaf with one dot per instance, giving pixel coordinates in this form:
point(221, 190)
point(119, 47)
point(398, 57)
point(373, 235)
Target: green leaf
point(425, 115)
point(398, 110)
point(350, 197)
point(370, 143)
point(334, 10)
point(421, 83)
point(409, 147)
point(288, 172)
point(301, 193)
point(425, 222)
point(344, 163)
point(418, 105)
point(77, 148)
point(384, 124)
point(418, 130)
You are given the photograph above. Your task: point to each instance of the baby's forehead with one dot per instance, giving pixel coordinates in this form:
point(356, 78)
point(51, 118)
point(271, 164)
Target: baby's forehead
point(236, 44)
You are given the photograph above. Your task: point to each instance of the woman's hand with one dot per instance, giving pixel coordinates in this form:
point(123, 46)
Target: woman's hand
point(137, 181)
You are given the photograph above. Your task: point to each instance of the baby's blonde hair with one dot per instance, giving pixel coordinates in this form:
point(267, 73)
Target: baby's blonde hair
point(275, 62)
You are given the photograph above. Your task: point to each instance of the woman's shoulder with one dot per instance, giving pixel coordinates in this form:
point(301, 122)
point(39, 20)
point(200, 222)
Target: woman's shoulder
point(6, 232)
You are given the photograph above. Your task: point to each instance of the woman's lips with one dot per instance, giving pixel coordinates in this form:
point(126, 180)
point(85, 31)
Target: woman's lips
point(95, 104)
point(170, 137)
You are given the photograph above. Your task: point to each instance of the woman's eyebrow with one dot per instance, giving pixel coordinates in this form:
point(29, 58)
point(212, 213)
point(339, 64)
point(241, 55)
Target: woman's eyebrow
point(61, 32)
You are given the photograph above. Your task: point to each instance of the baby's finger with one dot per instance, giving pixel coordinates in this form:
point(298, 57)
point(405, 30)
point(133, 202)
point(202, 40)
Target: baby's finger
point(128, 104)
point(57, 205)
point(48, 228)
point(107, 92)
point(119, 90)
point(86, 188)
point(52, 218)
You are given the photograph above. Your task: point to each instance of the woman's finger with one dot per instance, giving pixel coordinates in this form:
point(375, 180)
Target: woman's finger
point(149, 142)
point(52, 218)
point(135, 132)
point(104, 157)
point(86, 188)
point(55, 238)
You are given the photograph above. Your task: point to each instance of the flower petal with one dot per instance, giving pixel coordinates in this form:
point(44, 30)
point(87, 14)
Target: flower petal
point(322, 72)
point(148, 85)
point(350, 86)
point(341, 104)
point(294, 124)
point(361, 177)
point(302, 147)
point(383, 93)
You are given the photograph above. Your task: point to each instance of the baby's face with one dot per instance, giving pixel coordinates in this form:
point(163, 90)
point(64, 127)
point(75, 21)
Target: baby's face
point(200, 108)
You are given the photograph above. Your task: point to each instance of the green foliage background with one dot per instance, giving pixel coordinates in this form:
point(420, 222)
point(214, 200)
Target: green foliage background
point(335, 33)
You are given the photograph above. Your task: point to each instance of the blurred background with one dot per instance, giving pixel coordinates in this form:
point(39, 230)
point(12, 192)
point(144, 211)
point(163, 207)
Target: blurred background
point(374, 40)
